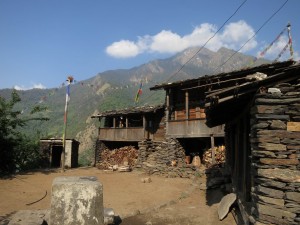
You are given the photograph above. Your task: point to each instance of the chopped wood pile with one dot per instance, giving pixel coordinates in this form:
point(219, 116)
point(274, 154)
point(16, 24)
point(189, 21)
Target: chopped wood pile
point(219, 156)
point(123, 156)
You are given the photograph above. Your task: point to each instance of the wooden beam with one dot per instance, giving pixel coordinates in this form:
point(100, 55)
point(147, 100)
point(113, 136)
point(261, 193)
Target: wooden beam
point(144, 125)
point(266, 68)
point(229, 82)
point(187, 105)
point(212, 145)
point(285, 76)
point(144, 121)
point(114, 122)
point(238, 91)
point(168, 105)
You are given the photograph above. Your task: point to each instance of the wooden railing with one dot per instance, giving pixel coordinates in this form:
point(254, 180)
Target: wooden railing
point(122, 134)
point(192, 128)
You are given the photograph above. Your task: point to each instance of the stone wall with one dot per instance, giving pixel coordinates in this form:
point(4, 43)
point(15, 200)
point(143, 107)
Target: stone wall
point(275, 157)
point(164, 158)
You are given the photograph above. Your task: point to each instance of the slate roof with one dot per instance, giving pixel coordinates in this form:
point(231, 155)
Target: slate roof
point(211, 79)
point(129, 111)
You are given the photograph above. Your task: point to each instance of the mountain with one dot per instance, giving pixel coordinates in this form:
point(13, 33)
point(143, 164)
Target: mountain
point(116, 89)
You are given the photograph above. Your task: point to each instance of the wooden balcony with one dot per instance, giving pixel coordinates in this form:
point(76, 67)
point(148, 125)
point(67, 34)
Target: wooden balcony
point(192, 128)
point(122, 134)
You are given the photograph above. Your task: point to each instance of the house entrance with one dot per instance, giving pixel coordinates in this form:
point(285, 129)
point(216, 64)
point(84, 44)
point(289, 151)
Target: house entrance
point(56, 155)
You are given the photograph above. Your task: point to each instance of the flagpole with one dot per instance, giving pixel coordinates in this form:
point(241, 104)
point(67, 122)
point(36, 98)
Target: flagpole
point(290, 41)
point(69, 80)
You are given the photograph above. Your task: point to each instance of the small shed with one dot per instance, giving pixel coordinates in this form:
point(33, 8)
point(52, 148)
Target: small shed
point(52, 150)
point(260, 108)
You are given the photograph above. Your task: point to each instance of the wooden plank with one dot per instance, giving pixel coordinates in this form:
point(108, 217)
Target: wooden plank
point(293, 126)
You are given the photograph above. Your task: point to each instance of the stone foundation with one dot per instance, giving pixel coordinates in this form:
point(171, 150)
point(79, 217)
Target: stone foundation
point(76, 201)
point(275, 157)
point(164, 158)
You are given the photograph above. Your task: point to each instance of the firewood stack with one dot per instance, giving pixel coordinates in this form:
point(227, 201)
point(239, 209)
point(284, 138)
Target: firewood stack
point(219, 156)
point(123, 156)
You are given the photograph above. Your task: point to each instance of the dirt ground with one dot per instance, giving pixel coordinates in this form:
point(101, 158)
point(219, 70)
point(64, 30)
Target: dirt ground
point(163, 201)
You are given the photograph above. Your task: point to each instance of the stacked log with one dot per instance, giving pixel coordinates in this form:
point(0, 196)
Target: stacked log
point(275, 157)
point(219, 156)
point(125, 155)
point(161, 158)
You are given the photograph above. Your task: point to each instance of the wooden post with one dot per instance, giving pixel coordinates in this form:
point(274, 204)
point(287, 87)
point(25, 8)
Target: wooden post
point(212, 143)
point(187, 105)
point(51, 152)
point(114, 122)
point(144, 125)
point(168, 105)
point(126, 122)
point(167, 111)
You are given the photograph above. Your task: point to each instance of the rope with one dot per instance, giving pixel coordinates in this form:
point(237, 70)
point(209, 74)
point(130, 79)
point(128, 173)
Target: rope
point(31, 203)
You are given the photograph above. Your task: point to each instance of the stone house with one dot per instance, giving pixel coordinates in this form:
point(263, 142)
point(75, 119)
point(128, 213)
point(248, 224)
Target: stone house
point(185, 117)
point(52, 150)
point(145, 129)
point(260, 108)
point(175, 131)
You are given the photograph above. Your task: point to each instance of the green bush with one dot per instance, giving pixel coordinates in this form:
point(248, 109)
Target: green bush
point(17, 151)
point(86, 157)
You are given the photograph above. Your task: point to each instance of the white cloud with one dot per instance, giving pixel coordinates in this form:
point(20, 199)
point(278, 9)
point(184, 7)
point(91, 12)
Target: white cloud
point(39, 86)
point(123, 49)
point(236, 34)
point(233, 36)
point(167, 42)
point(22, 87)
point(17, 87)
point(201, 35)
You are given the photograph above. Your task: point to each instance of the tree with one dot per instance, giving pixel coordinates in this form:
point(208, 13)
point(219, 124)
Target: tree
point(16, 148)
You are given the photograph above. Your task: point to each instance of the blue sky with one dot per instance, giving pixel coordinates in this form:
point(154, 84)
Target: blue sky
point(44, 41)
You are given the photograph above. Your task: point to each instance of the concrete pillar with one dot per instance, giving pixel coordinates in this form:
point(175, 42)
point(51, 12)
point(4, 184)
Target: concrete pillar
point(76, 201)
point(68, 154)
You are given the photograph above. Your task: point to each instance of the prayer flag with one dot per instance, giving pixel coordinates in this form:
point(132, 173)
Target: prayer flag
point(139, 92)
